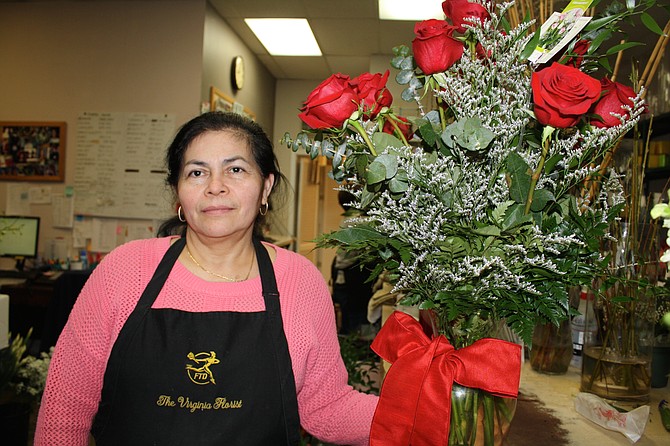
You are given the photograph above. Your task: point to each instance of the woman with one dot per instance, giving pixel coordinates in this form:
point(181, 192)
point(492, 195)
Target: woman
point(208, 337)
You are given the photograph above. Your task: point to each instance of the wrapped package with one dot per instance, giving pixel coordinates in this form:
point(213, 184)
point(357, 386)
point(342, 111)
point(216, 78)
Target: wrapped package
point(631, 424)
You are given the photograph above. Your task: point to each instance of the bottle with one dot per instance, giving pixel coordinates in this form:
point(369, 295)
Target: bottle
point(580, 330)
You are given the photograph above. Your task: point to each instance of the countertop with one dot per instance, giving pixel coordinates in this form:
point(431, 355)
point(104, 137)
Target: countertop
point(546, 411)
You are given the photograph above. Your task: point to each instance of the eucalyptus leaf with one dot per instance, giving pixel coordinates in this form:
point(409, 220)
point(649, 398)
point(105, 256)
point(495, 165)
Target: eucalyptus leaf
point(399, 183)
point(383, 140)
point(469, 134)
point(367, 197)
point(313, 151)
point(408, 94)
point(404, 76)
point(407, 63)
point(397, 61)
point(376, 173)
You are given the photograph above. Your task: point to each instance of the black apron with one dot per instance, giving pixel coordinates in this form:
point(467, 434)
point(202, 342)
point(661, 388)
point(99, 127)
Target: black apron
point(218, 378)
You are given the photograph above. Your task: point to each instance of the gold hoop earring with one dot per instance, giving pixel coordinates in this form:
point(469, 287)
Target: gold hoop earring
point(179, 216)
point(262, 210)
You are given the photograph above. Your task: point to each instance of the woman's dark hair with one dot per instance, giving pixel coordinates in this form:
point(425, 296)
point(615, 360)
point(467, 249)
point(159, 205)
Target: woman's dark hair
point(250, 131)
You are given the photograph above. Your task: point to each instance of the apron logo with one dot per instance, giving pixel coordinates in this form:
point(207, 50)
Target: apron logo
point(199, 372)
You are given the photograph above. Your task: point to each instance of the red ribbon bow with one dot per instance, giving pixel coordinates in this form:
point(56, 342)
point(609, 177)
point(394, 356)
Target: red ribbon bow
point(415, 402)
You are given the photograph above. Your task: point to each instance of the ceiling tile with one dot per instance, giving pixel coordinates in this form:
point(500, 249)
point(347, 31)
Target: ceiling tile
point(271, 64)
point(393, 33)
point(367, 9)
point(351, 65)
point(339, 37)
point(303, 67)
point(259, 8)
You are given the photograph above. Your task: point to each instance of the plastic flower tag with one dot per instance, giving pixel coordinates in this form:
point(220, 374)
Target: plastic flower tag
point(557, 32)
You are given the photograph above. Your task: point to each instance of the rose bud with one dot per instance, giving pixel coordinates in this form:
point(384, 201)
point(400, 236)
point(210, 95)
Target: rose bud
point(458, 10)
point(615, 96)
point(372, 91)
point(435, 50)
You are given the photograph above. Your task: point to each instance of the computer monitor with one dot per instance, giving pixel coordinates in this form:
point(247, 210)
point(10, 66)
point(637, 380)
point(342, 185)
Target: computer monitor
point(18, 238)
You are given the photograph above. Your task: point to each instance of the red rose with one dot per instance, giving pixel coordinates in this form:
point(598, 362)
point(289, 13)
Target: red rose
point(562, 95)
point(403, 124)
point(434, 48)
point(457, 10)
point(615, 95)
point(372, 91)
point(330, 104)
point(581, 47)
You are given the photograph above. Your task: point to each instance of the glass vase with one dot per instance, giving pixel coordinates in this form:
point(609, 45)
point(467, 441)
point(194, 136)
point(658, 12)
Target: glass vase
point(551, 350)
point(617, 359)
point(478, 417)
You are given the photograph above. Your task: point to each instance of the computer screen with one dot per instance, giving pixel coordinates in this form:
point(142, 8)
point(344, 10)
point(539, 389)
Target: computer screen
point(18, 236)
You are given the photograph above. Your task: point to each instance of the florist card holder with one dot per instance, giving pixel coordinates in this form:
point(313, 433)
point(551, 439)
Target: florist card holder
point(32, 151)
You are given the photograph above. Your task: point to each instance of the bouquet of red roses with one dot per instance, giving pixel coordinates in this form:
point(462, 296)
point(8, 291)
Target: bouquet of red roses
point(490, 204)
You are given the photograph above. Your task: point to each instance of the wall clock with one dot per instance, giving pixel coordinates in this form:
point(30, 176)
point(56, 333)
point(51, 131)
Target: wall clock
point(237, 72)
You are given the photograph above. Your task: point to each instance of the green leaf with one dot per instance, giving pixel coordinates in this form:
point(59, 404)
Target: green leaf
point(355, 235)
point(515, 216)
point(376, 173)
point(402, 50)
point(383, 140)
point(598, 23)
point(520, 177)
point(648, 21)
point(399, 183)
point(404, 76)
point(428, 134)
point(468, 133)
point(540, 199)
point(530, 47)
point(498, 213)
point(622, 46)
point(367, 196)
point(487, 230)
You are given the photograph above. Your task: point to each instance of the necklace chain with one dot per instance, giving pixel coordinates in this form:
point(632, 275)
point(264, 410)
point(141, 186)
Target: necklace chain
point(220, 276)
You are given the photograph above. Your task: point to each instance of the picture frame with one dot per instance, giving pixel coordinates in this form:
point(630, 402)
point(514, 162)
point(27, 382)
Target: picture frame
point(219, 101)
point(32, 151)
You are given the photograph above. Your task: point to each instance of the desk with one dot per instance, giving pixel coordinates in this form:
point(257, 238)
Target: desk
point(552, 396)
point(43, 304)
point(28, 304)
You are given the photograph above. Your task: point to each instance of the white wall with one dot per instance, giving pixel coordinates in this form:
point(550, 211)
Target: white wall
point(290, 95)
point(220, 46)
point(62, 58)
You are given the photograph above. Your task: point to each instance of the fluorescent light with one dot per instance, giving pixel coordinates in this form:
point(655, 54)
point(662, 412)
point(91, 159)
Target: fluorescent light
point(285, 37)
point(413, 10)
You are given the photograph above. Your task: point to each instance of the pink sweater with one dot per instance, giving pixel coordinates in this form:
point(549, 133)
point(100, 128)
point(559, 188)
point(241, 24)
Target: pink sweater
point(329, 408)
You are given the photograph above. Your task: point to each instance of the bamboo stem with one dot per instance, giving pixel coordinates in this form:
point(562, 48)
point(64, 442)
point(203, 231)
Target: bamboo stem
point(617, 64)
point(652, 73)
point(658, 49)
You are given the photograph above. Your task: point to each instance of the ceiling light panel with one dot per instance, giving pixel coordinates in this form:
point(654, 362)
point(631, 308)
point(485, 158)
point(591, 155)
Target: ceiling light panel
point(414, 10)
point(285, 37)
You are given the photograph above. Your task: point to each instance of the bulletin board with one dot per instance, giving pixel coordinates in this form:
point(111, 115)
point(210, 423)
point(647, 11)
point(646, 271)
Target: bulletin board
point(119, 167)
point(219, 101)
point(32, 151)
